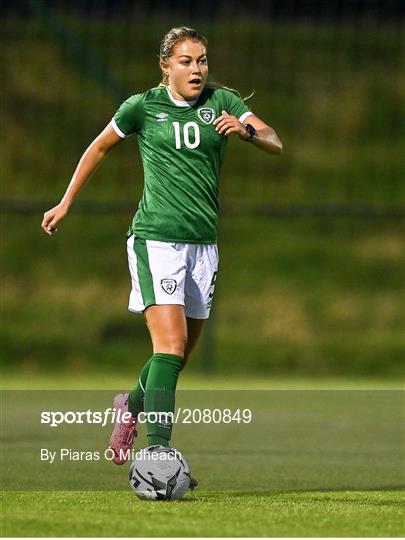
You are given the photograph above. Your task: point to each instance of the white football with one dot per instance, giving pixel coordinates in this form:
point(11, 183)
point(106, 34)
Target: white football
point(159, 473)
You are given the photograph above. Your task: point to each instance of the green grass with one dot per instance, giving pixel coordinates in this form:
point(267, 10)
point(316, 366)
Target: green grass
point(94, 380)
point(323, 464)
point(378, 514)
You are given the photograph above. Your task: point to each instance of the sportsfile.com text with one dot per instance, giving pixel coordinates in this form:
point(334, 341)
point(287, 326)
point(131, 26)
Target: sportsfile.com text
point(181, 415)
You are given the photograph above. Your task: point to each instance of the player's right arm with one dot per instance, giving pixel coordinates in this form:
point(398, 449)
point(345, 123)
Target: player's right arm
point(94, 154)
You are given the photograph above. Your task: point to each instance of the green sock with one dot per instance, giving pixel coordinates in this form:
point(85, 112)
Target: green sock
point(135, 401)
point(159, 395)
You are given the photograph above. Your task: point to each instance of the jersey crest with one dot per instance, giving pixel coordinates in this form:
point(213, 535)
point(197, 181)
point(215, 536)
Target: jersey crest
point(168, 285)
point(206, 114)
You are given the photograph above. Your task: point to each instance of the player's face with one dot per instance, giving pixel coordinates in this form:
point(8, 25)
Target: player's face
point(187, 69)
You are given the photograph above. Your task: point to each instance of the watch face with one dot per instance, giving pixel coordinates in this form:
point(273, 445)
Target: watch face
point(251, 130)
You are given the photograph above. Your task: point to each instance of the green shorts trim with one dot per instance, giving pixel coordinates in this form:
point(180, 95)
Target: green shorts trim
point(144, 273)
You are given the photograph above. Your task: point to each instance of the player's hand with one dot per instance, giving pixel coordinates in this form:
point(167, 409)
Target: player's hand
point(52, 217)
point(227, 124)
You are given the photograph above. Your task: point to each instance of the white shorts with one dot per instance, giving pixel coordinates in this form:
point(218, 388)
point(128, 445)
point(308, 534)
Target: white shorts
point(169, 273)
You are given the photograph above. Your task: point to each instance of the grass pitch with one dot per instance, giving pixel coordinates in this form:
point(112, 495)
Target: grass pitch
point(205, 514)
point(296, 510)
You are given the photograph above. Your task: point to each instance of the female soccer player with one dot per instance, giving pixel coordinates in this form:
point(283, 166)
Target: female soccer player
point(182, 127)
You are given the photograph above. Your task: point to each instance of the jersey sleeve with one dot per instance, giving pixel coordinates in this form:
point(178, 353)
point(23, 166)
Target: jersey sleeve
point(236, 106)
point(129, 117)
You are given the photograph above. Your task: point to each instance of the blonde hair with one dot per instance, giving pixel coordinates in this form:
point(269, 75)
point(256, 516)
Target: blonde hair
point(176, 35)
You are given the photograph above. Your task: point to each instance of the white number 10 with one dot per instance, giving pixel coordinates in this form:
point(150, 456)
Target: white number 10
point(186, 134)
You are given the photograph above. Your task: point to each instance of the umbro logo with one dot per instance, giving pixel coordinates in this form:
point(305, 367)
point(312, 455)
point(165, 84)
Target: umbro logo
point(162, 117)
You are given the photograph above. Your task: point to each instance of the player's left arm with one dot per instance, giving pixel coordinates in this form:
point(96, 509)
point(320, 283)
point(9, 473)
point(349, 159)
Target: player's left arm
point(265, 137)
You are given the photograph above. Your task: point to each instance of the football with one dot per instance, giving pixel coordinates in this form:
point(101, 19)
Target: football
point(159, 473)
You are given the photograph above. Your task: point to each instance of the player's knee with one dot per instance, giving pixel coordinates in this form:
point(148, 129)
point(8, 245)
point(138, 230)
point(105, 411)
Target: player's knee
point(176, 346)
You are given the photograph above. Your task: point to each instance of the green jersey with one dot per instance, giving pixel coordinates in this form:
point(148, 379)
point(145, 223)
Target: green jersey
point(182, 155)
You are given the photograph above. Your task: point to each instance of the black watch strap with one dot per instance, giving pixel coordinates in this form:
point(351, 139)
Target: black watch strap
point(251, 131)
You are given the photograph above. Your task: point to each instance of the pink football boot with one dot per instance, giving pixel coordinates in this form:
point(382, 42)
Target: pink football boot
point(124, 433)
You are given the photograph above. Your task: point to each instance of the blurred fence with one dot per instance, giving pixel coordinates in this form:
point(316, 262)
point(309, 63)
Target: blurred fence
point(314, 295)
point(326, 75)
point(330, 210)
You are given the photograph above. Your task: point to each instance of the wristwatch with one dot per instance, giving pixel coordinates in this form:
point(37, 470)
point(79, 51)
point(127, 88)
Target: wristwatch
point(251, 131)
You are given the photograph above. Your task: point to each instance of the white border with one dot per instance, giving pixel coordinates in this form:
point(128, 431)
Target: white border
point(117, 129)
point(244, 116)
point(179, 102)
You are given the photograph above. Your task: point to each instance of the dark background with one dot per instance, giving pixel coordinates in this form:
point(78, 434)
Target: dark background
point(334, 10)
